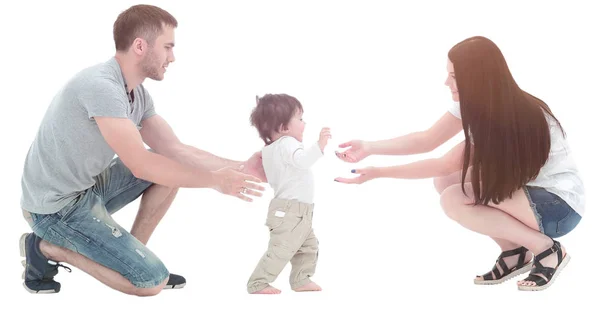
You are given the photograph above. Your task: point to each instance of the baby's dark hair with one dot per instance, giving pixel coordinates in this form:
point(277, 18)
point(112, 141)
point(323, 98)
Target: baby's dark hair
point(273, 111)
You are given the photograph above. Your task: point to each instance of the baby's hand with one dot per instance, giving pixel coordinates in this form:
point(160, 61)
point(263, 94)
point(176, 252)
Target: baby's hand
point(324, 137)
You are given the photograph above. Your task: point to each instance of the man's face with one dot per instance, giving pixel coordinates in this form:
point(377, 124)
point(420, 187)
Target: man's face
point(158, 57)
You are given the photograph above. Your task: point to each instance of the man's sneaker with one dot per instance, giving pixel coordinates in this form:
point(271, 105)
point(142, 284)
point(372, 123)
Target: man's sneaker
point(175, 281)
point(39, 271)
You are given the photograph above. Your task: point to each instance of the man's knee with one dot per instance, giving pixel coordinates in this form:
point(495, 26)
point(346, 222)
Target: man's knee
point(150, 291)
point(149, 280)
point(145, 273)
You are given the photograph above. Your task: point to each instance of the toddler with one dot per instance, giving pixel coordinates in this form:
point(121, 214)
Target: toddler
point(278, 119)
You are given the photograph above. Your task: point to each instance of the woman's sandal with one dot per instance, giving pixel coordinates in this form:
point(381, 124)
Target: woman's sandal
point(520, 268)
point(548, 272)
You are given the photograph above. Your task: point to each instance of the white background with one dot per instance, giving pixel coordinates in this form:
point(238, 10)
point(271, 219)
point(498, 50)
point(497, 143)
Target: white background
point(368, 70)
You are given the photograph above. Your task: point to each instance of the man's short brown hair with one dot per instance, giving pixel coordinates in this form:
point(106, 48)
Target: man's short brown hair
point(272, 112)
point(140, 21)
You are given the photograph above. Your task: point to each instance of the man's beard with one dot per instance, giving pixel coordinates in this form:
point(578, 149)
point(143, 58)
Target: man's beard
point(150, 66)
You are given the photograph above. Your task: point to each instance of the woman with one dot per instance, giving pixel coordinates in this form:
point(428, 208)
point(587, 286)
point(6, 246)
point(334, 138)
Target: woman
point(514, 181)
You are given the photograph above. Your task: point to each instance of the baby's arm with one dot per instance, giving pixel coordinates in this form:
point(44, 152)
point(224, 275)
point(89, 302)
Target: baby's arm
point(295, 154)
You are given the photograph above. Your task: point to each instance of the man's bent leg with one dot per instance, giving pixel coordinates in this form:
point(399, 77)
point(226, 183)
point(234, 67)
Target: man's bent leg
point(103, 274)
point(155, 202)
point(84, 235)
point(119, 187)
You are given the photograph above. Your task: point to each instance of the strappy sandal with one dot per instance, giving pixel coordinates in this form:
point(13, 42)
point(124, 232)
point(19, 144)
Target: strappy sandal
point(548, 272)
point(520, 268)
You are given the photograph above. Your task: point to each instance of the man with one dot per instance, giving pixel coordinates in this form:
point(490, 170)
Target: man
point(72, 182)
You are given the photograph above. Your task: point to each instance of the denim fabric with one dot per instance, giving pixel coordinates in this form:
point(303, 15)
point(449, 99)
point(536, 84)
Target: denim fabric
point(86, 227)
point(555, 217)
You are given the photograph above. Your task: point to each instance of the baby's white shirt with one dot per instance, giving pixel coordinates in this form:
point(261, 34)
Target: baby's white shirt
point(288, 165)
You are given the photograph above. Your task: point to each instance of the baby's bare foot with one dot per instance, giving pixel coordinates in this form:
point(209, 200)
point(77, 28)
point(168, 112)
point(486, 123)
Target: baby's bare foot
point(310, 287)
point(268, 290)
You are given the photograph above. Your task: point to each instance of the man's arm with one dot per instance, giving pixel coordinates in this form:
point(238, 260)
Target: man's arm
point(159, 136)
point(124, 138)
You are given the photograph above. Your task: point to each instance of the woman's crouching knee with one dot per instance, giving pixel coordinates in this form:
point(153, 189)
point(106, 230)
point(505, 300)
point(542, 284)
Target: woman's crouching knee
point(440, 184)
point(451, 201)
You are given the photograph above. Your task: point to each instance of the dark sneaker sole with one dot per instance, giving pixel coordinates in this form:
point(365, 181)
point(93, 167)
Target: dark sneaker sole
point(24, 263)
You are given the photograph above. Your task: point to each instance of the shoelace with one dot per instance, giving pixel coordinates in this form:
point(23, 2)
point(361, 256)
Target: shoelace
point(57, 264)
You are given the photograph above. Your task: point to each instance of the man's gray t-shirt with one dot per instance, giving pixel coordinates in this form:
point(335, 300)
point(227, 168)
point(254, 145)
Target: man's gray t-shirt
point(69, 150)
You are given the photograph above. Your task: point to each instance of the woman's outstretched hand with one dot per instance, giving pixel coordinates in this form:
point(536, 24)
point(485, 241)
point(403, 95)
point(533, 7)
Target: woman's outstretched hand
point(358, 151)
point(364, 175)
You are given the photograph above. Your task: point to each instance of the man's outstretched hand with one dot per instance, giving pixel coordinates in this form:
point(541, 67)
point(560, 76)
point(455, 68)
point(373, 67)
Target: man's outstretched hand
point(233, 182)
point(253, 166)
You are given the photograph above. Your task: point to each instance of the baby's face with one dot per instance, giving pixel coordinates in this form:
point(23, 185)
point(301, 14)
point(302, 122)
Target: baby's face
point(296, 126)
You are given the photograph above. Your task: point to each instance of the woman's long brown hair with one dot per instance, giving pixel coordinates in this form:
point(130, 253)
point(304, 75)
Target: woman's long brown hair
point(507, 126)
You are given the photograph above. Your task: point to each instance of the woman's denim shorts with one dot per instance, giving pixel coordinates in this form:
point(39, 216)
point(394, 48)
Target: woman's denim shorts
point(554, 216)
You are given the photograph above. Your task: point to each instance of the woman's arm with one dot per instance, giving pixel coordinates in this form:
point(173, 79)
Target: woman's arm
point(450, 162)
point(413, 143)
point(419, 142)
